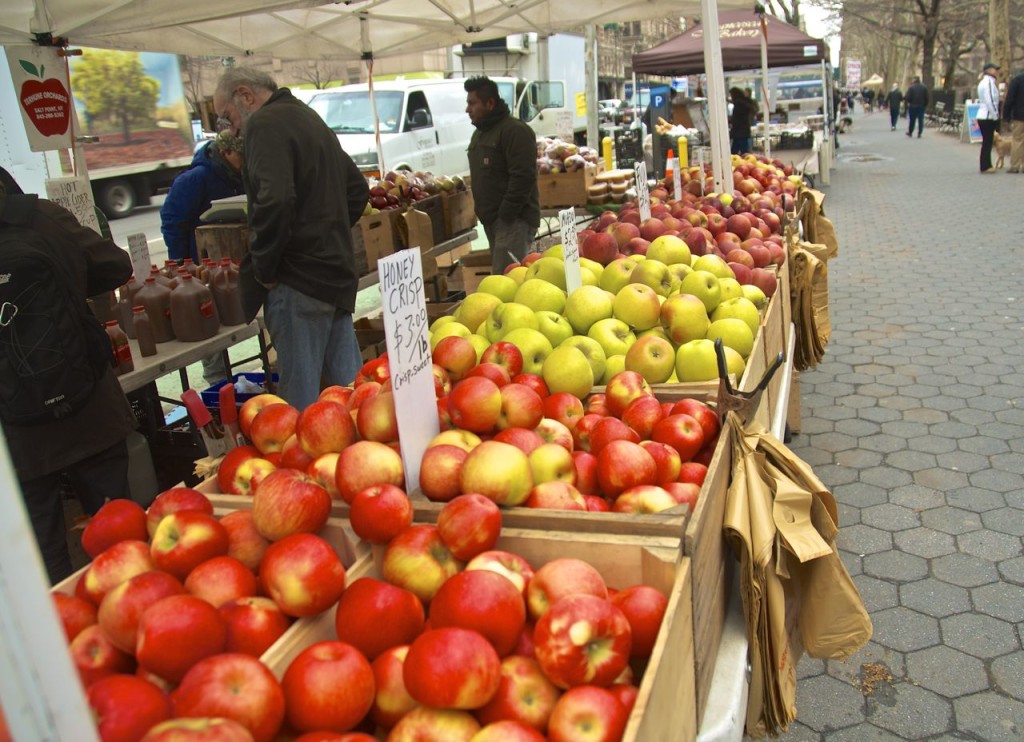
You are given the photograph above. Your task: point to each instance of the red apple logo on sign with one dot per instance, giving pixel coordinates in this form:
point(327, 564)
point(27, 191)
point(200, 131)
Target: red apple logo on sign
point(46, 102)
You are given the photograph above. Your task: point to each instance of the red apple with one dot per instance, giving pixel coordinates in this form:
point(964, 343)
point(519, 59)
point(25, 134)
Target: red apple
point(336, 393)
point(582, 639)
point(253, 625)
point(560, 578)
point(249, 474)
point(622, 232)
point(220, 580)
point(521, 407)
point(186, 539)
point(126, 707)
point(496, 373)
point(525, 440)
point(469, 525)
point(442, 382)
point(524, 695)
point(244, 542)
point(564, 407)
point(587, 712)
point(666, 461)
point(483, 601)
point(452, 668)
point(596, 504)
point(622, 389)
point(552, 431)
point(609, 429)
point(119, 563)
point(439, 472)
point(272, 426)
point(289, 502)
point(117, 520)
point(175, 633)
point(511, 566)
point(324, 470)
point(367, 463)
point(684, 493)
point(456, 355)
point(641, 414)
point(693, 472)
point(644, 607)
point(681, 432)
point(508, 731)
point(328, 686)
point(586, 472)
point(644, 498)
point(95, 656)
point(380, 512)
point(556, 495)
point(582, 430)
point(292, 455)
point(324, 427)
point(302, 574)
point(375, 616)
point(391, 701)
point(603, 247)
point(504, 354)
point(363, 392)
point(533, 381)
point(230, 463)
point(475, 404)
point(198, 730)
point(627, 694)
point(702, 413)
point(233, 686)
point(624, 464)
point(424, 723)
point(497, 471)
point(173, 500)
point(376, 419)
point(251, 407)
point(123, 606)
point(418, 560)
point(75, 614)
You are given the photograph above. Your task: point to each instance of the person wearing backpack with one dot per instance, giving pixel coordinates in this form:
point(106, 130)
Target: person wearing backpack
point(61, 407)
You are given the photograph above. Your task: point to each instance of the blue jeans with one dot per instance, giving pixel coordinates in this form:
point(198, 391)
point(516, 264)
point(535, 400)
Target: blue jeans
point(915, 113)
point(312, 339)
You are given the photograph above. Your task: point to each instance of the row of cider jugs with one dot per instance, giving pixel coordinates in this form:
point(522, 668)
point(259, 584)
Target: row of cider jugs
point(189, 302)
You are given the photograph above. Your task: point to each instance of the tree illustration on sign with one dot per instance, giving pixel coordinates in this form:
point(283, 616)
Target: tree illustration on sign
point(46, 102)
point(114, 87)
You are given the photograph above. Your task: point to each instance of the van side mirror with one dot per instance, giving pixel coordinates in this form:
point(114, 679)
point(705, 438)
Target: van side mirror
point(419, 118)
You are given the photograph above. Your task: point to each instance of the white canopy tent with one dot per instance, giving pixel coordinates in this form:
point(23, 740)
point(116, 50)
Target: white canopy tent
point(41, 695)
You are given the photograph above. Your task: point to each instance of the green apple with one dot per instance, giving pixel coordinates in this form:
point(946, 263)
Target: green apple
point(735, 334)
point(696, 361)
point(755, 295)
point(616, 275)
point(739, 308)
point(730, 289)
point(555, 251)
point(533, 345)
point(714, 265)
point(704, 286)
point(658, 331)
point(637, 305)
point(636, 259)
point(442, 321)
point(655, 274)
point(539, 295)
point(613, 335)
point(669, 249)
point(652, 357)
point(592, 265)
point(591, 349)
point(735, 365)
point(585, 306)
point(480, 344)
point(554, 327)
point(452, 328)
point(613, 366)
point(477, 307)
point(566, 369)
point(587, 277)
point(501, 286)
point(685, 318)
point(510, 316)
point(679, 271)
point(518, 274)
point(551, 270)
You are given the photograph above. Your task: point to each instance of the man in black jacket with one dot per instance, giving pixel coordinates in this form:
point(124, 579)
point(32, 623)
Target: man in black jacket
point(304, 196)
point(894, 100)
point(916, 100)
point(1013, 112)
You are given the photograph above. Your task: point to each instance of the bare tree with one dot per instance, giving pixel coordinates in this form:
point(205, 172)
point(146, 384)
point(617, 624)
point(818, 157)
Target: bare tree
point(787, 10)
point(194, 70)
point(318, 72)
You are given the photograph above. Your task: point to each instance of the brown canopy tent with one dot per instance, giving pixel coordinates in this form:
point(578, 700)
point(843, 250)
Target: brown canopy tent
point(740, 33)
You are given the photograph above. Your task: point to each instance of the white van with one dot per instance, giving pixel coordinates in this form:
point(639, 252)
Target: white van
point(423, 124)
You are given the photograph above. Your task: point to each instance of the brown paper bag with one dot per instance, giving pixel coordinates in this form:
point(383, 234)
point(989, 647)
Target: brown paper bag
point(810, 303)
point(817, 227)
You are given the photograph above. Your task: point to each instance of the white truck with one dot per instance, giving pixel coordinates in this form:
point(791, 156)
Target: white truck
point(542, 78)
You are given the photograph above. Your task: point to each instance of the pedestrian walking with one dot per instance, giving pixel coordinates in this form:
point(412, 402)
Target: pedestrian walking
point(894, 100)
point(916, 100)
point(1013, 112)
point(988, 114)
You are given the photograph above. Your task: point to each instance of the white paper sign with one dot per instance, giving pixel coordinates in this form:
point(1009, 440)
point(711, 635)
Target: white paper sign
point(677, 181)
point(405, 331)
point(570, 249)
point(138, 248)
point(643, 195)
point(40, 79)
point(563, 125)
point(700, 169)
point(75, 195)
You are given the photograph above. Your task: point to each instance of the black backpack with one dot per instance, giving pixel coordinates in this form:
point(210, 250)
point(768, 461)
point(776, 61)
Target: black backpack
point(53, 350)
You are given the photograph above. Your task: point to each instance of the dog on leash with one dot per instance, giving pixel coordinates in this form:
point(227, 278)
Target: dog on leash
point(1002, 146)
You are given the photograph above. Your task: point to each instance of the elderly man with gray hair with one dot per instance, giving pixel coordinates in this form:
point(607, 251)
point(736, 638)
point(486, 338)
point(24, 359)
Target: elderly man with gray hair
point(304, 195)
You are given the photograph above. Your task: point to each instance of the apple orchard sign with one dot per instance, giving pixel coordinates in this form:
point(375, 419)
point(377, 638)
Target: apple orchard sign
point(40, 78)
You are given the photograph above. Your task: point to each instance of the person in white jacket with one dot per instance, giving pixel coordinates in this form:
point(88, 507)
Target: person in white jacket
point(988, 114)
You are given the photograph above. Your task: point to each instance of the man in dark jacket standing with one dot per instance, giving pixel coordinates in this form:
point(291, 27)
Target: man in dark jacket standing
point(305, 195)
point(894, 100)
point(88, 444)
point(917, 101)
point(1013, 112)
point(503, 166)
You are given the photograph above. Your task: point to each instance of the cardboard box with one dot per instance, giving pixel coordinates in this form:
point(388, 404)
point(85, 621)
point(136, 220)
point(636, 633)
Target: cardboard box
point(562, 190)
point(376, 233)
point(433, 207)
point(459, 212)
point(416, 230)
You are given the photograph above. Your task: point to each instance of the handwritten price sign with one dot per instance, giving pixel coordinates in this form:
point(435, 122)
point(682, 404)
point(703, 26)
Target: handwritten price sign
point(570, 249)
point(643, 195)
point(405, 332)
point(677, 180)
point(75, 195)
point(138, 248)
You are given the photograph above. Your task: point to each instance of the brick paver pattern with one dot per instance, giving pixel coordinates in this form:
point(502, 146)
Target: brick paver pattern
point(915, 420)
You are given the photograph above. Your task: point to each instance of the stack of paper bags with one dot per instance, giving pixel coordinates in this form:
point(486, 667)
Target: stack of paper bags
point(781, 523)
point(808, 282)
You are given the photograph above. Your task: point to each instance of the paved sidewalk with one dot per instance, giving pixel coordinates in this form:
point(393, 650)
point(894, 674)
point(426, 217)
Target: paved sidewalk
point(915, 419)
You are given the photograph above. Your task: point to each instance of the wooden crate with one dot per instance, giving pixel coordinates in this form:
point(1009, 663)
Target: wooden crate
point(562, 190)
point(665, 705)
point(459, 212)
point(475, 267)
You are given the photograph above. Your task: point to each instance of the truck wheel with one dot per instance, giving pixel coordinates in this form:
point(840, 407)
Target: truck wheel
point(117, 199)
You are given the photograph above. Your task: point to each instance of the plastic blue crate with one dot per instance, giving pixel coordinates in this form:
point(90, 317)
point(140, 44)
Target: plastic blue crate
point(211, 395)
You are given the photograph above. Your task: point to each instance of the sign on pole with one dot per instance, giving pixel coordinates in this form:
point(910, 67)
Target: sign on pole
point(570, 249)
point(405, 332)
point(75, 195)
point(643, 195)
point(138, 248)
point(853, 73)
point(41, 83)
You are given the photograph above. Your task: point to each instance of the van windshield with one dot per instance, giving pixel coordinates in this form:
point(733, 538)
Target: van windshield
point(351, 113)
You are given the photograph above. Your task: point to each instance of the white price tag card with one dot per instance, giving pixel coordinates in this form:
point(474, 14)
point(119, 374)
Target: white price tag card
point(570, 249)
point(75, 195)
point(700, 169)
point(138, 248)
point(643, 195)
point(405, 331)
point(677, 179)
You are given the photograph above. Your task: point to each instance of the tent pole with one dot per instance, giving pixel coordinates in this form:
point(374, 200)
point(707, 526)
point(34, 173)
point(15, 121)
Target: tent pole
point(825, 155)
point(766, 113)
point(590, 67)
point(721, 163)
point(367, 55)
